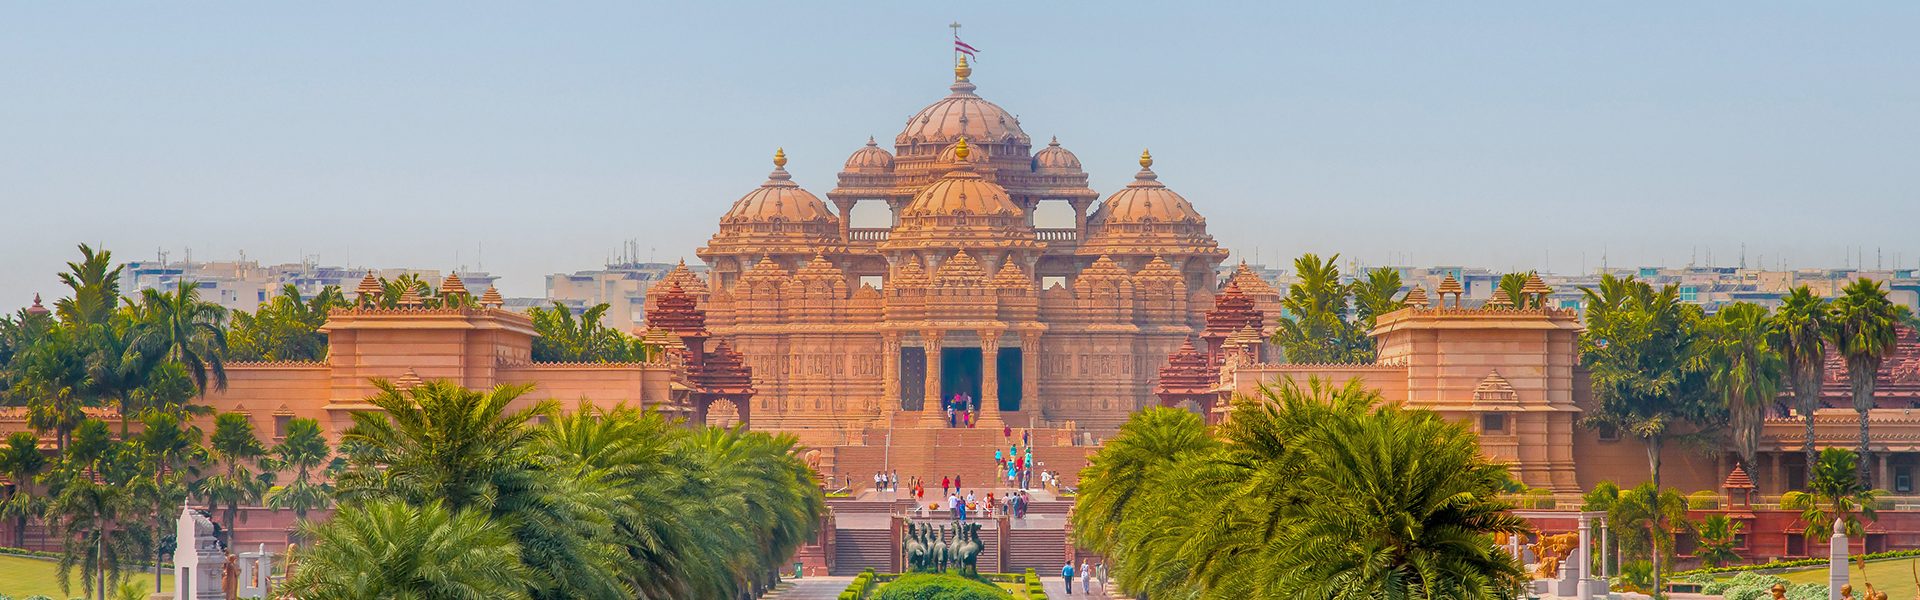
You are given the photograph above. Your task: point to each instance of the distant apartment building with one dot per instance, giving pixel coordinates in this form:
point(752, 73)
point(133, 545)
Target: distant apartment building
point(621, 286)
point(245, 284)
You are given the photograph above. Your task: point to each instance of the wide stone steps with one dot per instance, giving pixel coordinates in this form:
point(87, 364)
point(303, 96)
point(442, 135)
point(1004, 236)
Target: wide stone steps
point(858, 549)
point(1037, 549)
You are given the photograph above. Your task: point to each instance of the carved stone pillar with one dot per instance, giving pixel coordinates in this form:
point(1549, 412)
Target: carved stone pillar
point(1080, 220)
point(990, 379)
point(1030, 375)
point(933, 408)
point(846, 216)
point(889, 373)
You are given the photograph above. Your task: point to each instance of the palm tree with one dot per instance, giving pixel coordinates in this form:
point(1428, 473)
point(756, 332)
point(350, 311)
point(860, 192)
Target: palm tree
point(1376, 295)
point(1646, 510)
point(303, 449)
point(22, 462)
point(96, 288)
point(235, 448)
point(1510, 286)
point(1745, 371)
point(765, 489)
point(439, 442)
point(1835, 492)
point(1718, 536)
point(1314, 328)
point(170, 453)
point(1799, 335)
point(1864, 333)
point(89, 504)
point(285, 328)
point(1398, 504)
point(392, 549)
point(181, 328)
point(1645, 353)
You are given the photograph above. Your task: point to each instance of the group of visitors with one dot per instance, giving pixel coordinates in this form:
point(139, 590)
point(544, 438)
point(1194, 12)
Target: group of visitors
point(1017, 465)
point(1087, 576)
point(886, 481)
point(963, 410)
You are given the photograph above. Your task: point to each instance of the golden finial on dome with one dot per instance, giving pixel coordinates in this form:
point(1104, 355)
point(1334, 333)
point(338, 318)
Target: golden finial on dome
point(1146, 159)
point(780, 157)
point(961, 71)
point(960, 148)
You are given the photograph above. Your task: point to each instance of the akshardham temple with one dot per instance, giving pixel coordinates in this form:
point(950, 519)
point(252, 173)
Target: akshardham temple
point(851, 337)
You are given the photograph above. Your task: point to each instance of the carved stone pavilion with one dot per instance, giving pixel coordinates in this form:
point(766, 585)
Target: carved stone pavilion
point(962, 293)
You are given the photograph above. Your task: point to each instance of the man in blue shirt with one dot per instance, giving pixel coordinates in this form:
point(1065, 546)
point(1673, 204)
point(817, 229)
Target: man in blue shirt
point(1066, 572)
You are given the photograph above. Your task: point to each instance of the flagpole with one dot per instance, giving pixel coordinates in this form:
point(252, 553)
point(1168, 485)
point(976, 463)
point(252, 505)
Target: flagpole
point(956, 39)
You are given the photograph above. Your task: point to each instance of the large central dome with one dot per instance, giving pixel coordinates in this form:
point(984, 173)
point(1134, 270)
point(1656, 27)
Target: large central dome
point(962, 114)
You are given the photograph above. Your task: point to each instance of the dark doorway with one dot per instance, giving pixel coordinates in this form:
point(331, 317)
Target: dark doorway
point(1008, 372)
point(959, 373)
point(913, 378)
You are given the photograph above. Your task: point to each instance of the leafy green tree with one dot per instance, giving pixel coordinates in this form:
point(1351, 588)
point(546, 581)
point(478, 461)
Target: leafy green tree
point(1835, 492)
point(393, 549)
point(1510, 286)
point(96, 289)
point(566, 338)
point(90, 507)
point(1799, 335)
point(183, 329)
point(1642, 516)
point(439, 442)
point(1718, 536)
point(54, 381)
point(234, 449)
point(22, 463)
point(1376, 295)
point(1864, 333)
point(1745, 371)
point(1318, 491)
point(1645, 352)
point(1314, 328)
point(286, 328)
point(170, 453)
point(1602, 498)
point(304, 450)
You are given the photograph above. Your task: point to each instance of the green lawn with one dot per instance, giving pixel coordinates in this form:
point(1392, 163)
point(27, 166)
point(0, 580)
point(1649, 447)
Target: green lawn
point(21, 577)
point(1895, 577)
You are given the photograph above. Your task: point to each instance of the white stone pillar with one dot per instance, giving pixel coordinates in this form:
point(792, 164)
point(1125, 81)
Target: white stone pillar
point(1606, 551)
point(1584, 589)
point(1837, 560)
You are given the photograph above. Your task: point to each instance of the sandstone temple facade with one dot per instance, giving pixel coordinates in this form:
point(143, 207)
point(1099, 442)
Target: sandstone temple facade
point(962, 293)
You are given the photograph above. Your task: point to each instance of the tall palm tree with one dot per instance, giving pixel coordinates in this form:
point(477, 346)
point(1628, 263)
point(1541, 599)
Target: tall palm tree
point(1835, 492)
point(303, 449)
point(181, 328)
point(235, 449)
point(170, 452)
point(1799, 335)
point(54, 379)
point(90, 506)
point(1745, 371)
point(22, 462)
point(392, 549)
point(1376, 295)
point(1314, 327)
point(286, 327)
point(96, 288)
point(1864, 333)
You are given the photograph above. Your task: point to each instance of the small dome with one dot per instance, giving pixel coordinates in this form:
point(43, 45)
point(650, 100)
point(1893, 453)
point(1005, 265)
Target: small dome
point(778, 200)
point(1146, 200)
point(962, 192)
point(1054, 159)
point(962, 114)
point(870, 159)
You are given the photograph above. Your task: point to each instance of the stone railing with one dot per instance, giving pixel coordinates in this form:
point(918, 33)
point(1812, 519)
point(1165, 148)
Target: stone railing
point(1057, 234)
point(867, 234)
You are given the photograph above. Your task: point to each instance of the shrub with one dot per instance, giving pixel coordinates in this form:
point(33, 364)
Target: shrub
point(1703, 500)
point(848, 595)
point(929, 586)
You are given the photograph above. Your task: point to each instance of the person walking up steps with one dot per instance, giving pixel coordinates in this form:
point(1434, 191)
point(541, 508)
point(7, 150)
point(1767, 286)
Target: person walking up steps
point(1066, 572)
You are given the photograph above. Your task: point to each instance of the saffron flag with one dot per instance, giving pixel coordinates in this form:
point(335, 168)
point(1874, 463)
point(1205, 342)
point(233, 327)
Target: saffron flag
point(963, 48)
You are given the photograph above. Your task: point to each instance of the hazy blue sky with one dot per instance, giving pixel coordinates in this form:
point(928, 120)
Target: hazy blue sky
point(1491, 134)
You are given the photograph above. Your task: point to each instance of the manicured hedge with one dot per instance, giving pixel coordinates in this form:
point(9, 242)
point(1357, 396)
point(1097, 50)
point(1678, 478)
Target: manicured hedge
point(929, 586)
point(1789, 564)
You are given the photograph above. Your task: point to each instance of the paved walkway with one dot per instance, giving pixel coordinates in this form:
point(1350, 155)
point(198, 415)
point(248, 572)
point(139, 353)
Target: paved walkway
point(1057, 587)
point(810, 588)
